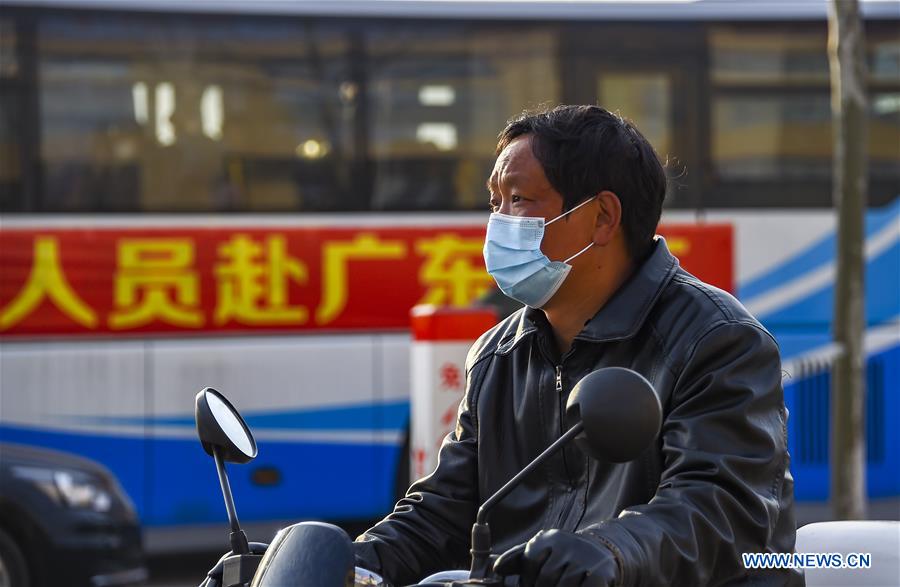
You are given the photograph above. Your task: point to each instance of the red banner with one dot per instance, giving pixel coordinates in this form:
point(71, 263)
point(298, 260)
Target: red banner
point(150, 280)
point(705, 250)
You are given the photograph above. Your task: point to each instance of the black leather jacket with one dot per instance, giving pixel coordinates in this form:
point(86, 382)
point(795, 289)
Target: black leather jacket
point(715, 485)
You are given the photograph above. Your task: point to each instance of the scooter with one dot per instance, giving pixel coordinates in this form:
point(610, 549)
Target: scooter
point(615, 413)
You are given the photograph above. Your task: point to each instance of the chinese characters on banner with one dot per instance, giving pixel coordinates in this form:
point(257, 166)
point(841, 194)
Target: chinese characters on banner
point(149, 280)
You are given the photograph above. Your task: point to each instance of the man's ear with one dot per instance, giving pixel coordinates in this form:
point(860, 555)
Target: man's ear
point(609, 218)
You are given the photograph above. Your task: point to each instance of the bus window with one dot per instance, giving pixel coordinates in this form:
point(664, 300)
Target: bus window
point(438, 96)
point(884, 139)
point(771, 120)
point(884, 108)
point(777, 136)
point(178, 113)
point(10, 112)
point(884, 59)
point(753, 57)
point(657, 85)
point(645, 99)
point(770, 117)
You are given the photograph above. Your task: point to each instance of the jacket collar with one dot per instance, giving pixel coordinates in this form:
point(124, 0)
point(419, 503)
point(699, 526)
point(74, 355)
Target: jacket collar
point(625, 312)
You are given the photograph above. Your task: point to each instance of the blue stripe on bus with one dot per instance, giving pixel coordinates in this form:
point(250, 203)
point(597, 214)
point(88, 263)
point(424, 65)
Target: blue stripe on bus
point(173, 482)
point(793, 343)
point(381, 416)
point(816, 255)
point(815, 310)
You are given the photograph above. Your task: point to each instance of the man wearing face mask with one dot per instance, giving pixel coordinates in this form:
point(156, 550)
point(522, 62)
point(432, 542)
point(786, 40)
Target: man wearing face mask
point(576, 195)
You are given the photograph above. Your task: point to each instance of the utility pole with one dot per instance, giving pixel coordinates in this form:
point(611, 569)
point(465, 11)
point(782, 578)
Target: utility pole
point(846, 55)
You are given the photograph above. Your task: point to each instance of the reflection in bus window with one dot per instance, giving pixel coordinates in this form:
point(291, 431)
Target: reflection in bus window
point(884, 136)
point(750, 57)
point(644, 98)
point(884, 59)
point(771, 119)
point(157, 114)
point(782, 136)
point(149, 112)
point(438, 98)
point(90, 145)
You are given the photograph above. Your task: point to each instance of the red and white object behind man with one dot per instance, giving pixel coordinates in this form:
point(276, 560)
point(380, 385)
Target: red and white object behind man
point(441, 340)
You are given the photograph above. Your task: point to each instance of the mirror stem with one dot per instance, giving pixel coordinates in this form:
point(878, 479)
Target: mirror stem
point(512, 483)
point(481, 532)
point(238, 538)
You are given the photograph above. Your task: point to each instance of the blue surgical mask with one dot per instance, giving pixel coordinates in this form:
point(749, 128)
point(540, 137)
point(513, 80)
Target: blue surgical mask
point(513, 257)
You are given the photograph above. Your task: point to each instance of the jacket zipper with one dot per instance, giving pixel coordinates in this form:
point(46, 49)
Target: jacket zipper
point(562, 420)
point(569, 486)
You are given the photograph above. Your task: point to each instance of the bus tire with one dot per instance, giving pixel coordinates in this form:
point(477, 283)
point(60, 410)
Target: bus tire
point(13, 567)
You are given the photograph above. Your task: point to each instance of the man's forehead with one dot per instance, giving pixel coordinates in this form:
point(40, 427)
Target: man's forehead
point(507, 178)
point(516, 162)
point(518, 150)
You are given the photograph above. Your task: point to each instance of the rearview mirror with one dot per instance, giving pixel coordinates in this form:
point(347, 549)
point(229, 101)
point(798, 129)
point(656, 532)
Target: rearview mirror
point(219, 425)
point(620, 412)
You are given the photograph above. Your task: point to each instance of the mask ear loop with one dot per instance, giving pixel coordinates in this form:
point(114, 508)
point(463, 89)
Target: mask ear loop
point(591, 244)
point(570, 211)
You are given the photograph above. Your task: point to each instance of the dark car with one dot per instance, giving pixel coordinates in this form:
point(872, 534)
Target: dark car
point(64, 520)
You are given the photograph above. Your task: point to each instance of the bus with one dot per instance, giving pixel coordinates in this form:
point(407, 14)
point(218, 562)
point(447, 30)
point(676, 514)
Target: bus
point(253, 195)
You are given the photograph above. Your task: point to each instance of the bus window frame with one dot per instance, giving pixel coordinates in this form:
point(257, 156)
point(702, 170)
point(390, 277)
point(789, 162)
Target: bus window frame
point(805, 193)
point(683, 52)
point(24, 88)
point(584, 48)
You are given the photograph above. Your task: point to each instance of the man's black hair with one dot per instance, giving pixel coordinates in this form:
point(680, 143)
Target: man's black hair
point(587, 149)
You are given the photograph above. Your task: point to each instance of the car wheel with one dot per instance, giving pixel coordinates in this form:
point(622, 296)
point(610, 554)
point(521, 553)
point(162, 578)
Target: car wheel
point(13, 568)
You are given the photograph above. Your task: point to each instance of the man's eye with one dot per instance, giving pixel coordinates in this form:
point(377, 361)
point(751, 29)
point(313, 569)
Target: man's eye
point(516, 199)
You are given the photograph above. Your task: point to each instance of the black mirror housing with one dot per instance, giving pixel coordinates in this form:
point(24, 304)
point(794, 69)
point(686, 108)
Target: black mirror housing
point(620, 411)
point(213, 435)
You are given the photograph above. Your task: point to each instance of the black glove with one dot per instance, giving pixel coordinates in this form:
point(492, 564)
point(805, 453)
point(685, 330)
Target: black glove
point(214, 576)
point(556, 557)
